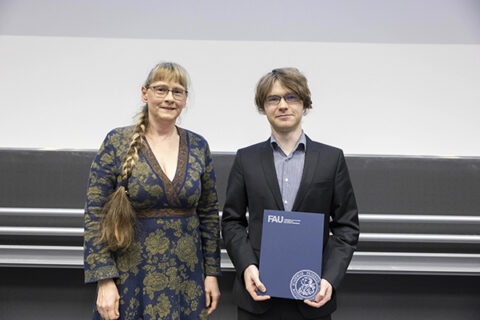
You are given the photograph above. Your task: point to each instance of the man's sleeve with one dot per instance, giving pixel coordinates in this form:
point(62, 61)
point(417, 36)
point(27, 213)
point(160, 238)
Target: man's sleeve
point(344, 227)
point(234, 221)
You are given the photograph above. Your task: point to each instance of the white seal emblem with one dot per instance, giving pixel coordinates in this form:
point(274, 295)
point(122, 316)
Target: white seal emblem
point(305, 285)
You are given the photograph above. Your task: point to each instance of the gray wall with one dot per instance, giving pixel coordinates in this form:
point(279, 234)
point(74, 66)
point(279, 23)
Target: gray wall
point(376, 21)
point(383, 185)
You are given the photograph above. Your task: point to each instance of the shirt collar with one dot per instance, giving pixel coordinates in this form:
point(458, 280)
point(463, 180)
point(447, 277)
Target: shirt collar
point(301, 143)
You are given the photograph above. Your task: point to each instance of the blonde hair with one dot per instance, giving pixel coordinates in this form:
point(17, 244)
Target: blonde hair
point(168, 71)
point(117, 228)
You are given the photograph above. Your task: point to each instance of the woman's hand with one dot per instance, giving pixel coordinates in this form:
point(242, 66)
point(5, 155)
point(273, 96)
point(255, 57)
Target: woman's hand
point(108, 299)
point(212, 293)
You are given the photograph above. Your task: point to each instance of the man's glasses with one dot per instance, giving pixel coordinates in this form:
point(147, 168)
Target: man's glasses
point(289, 98)
point(162, 92)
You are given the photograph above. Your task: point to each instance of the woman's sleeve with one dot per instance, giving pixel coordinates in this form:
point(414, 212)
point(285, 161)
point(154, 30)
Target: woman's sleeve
point(98, 261)
point(207, 210)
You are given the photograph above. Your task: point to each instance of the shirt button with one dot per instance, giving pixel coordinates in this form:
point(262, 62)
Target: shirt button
point(286, 201)
point(286, 179)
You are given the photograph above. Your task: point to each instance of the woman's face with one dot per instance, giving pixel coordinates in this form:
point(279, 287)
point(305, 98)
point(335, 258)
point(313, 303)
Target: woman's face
point(165, 100)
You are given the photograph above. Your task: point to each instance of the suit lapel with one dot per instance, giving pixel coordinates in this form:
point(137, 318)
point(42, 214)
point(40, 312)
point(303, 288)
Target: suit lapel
point(268, 166)
point(311, 156)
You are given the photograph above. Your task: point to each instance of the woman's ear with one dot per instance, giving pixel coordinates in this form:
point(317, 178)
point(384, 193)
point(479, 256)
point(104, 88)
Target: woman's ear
point(144, 94)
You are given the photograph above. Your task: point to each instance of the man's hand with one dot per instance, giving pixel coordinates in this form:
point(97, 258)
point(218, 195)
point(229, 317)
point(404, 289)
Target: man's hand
point(323, 296)
point(107, 299)
point(212, 293)
point(252, 283)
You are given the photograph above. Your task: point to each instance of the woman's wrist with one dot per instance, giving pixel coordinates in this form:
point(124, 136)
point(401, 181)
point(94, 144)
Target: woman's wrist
point(104, 282)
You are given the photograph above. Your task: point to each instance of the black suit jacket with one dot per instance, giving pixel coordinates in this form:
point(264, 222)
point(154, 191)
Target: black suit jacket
point(325, 187)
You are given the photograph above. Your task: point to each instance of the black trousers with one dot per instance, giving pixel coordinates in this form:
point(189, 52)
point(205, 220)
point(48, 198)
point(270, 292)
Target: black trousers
point(281, 309)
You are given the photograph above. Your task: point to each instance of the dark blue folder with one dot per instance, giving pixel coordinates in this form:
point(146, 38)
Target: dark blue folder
point(291, 254)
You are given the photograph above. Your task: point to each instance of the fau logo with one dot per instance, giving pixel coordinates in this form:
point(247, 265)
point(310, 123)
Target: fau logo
point(281, 219)
point(274, 219)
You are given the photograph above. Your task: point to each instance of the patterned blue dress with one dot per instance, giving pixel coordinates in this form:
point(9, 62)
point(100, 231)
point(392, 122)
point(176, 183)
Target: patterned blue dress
point(161, 276)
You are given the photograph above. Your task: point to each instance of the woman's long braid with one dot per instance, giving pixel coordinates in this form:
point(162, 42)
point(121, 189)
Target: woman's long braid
point(118, 213)
point(138, 137)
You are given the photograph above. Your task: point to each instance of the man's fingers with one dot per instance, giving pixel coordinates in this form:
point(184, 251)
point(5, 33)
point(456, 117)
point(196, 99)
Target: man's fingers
point(310, 303)
point(322, 293)
point(257, 284)
point(319, 297)
point(313, 303)
point(255, 296)
point(261, 298)
point(323, 296)
point(260, 286)
point(253, 283)
point(317, 304)
point(252, 290)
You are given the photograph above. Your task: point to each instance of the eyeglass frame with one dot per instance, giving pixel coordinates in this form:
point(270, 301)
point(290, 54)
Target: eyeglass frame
point(273, 103)
point(154, 88)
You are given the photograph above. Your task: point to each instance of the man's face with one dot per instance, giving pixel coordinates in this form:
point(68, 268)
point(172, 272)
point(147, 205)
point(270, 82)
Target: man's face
point(285, 116)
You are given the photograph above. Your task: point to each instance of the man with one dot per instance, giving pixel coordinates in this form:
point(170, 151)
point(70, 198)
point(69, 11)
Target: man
point(293, 173)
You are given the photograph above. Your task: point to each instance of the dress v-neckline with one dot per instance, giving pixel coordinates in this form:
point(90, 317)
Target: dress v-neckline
point(181, 161)
point(157, 163)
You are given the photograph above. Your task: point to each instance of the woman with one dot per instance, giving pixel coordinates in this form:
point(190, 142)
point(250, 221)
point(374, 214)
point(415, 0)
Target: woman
point(151, 217)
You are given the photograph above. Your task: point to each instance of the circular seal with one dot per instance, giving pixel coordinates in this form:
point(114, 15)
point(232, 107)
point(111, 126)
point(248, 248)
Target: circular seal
point(305, 285)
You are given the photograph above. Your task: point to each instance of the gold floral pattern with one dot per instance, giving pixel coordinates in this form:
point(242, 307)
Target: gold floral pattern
point(186, 251)
point(157, 242)
point(177, 229)
point(130, 260)
point(154, 282)
point(159, 310)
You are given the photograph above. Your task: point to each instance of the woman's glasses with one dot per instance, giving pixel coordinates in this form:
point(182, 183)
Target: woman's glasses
point(162, 92)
